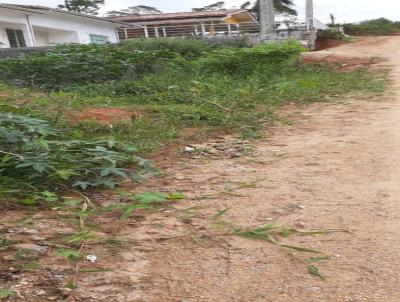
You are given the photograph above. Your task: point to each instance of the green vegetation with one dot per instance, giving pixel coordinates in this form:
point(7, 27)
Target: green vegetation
point(331, 33)
point(35, 154)
point(188, 48)
point(275, 235)
point(167, 85)
point(376, 27)
point(5, 294)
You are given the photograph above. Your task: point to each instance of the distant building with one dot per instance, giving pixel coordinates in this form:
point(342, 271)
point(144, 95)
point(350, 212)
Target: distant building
point(31, 26)
point(204, 23)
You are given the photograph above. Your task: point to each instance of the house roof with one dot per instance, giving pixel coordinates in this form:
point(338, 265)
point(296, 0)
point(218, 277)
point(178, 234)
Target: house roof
point(38, 9)
point(217, 14)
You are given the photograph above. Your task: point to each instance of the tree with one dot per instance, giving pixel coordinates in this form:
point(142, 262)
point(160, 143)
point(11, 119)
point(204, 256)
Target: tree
point(90, 7)
point(215, 6)
point(138, 10)
point(281, 6)
point(333, 18)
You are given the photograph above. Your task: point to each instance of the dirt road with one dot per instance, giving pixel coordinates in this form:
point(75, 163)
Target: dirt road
point(337, 167)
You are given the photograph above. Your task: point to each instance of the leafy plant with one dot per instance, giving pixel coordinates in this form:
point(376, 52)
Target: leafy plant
point(38, 156)
point(5, 293)
point(146, 200)
point(150, 197)
point(70, 255)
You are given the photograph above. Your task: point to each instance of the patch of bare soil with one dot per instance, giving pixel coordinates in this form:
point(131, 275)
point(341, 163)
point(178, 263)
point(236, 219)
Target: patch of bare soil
point(340, 62)
point(106, 115)
point(336, 170)
point(322, 44)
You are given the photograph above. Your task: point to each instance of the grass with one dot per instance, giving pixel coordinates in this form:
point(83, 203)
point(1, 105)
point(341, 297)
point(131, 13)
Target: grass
point(374, 27)
point(274, 235)
point(225, 89)
point(191, 84)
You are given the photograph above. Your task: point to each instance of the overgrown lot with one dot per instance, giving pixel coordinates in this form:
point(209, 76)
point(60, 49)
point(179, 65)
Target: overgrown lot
point(165, 85)
point(375, 27)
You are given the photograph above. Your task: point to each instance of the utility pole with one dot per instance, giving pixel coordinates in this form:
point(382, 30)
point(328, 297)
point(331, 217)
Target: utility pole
point(267, 19)
point(310, 15)
point(311, 32)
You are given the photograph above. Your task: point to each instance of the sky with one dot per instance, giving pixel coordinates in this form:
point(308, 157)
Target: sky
point(343, 10)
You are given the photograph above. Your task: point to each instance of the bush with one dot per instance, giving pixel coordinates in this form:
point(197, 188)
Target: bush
point(36, 156)
point(372, 27)
point(75, 65)
point(331, 33)
point(246, 61)
point(189, 48)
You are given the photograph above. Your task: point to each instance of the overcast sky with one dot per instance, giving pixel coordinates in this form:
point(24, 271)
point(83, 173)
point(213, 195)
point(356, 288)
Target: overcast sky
point(344, 10)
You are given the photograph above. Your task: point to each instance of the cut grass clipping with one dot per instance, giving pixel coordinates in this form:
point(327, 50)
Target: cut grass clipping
point(273, 233)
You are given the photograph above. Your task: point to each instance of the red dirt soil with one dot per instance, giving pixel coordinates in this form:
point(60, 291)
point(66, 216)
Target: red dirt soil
point(322, 44)
point(106, 115)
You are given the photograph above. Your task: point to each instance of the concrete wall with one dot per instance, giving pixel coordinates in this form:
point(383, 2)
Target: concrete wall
point(6, 53)
point(255, 38)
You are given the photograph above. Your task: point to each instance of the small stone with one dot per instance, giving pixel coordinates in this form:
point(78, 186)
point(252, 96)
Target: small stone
point(29, 231)
point(128, 256)
point(300, 224)
point(235, 155)
point(31, 247)
point(144, 249)
point(278, 212)
point(38, 238)
point(9, 257)
point(152, 232)
point(314, 289)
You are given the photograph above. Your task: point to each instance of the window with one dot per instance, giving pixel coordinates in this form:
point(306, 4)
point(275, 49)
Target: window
point(16, 37)
point(97, 39)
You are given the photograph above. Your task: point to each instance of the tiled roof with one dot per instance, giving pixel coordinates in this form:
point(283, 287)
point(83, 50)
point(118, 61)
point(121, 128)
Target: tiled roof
point(44, 9)
point(176, 16)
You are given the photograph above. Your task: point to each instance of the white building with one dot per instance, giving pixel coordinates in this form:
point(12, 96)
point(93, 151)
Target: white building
point(31, 26)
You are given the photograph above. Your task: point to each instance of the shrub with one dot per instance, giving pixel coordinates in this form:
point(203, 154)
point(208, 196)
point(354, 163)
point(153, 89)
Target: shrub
point(372, 27)
point(72, 65)
point(245, 61)
point(36, 155)
point(189, 48)
point(331, 33)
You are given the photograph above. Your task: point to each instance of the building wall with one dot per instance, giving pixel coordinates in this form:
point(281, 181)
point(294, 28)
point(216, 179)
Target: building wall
point(82, 27)
point(55, 28)
point(10, 19)
point(42, 38)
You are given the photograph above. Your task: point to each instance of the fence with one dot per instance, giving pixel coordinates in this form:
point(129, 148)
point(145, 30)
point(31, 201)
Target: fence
point(188, 30)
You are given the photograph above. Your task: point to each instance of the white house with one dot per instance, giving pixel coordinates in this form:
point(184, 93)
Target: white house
point(31, 26)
